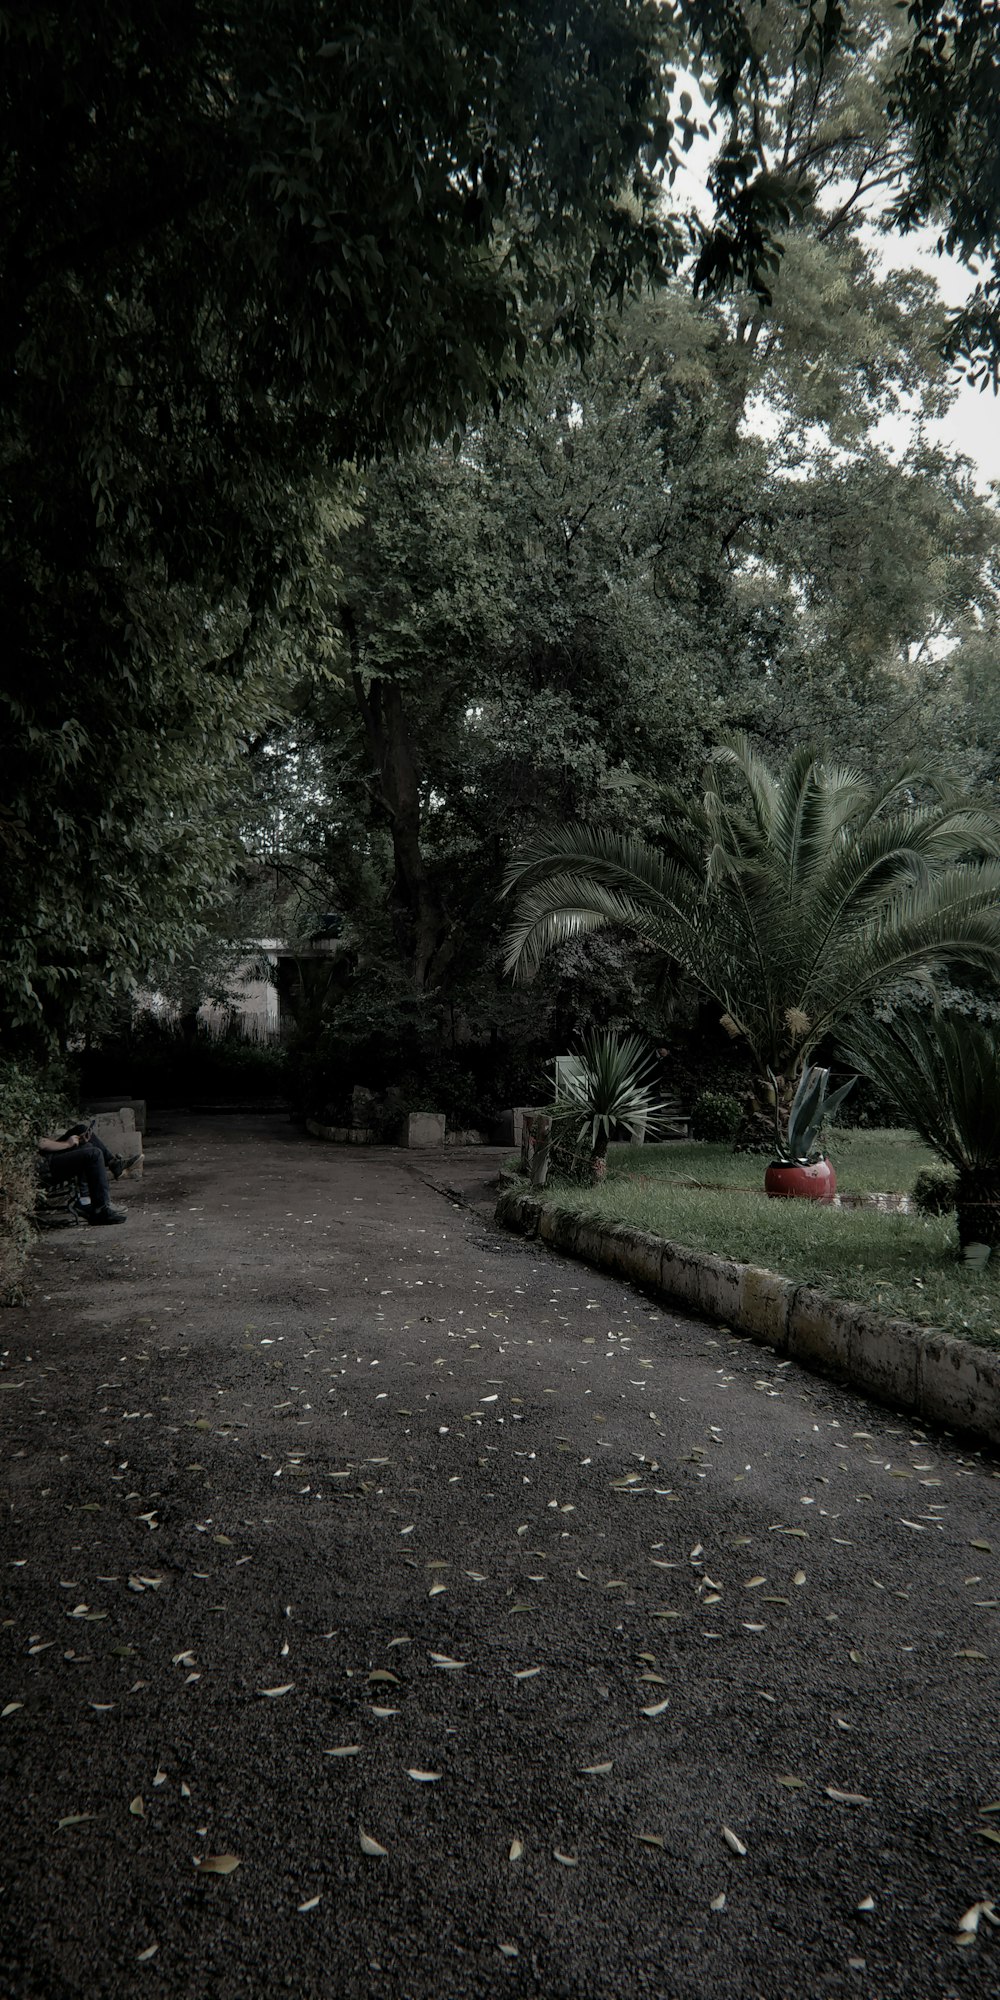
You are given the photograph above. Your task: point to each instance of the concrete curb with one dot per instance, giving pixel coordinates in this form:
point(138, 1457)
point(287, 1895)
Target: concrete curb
point(911, 1367)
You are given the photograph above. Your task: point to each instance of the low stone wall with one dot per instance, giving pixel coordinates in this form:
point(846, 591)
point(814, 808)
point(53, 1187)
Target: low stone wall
point(913, 1368)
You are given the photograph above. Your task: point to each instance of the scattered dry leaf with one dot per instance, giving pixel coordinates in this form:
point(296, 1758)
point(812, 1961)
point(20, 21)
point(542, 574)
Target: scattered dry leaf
point(516, 1849)
point(423, 1777)
point(846, 1798)
point(310, 1905)
point(733, 1840)
point(370, 1846)
point(286, 1688)
point(217, 1864)
point(343, 1750)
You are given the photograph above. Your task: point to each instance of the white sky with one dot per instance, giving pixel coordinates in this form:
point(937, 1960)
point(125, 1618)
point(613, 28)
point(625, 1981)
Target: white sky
point(972, 425)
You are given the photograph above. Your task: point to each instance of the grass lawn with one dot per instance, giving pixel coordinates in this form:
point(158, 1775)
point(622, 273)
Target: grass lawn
point(903, 1265)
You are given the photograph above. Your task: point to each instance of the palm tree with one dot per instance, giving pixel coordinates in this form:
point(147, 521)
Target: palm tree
point(942, 1071)
point(787, 897)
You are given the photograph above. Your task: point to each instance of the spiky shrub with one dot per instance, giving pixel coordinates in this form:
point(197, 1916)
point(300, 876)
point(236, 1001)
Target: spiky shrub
point(813, 1106)
point(613, 1086)
point(943, 1072)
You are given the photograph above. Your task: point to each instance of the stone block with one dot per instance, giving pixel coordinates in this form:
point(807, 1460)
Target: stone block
point(591, 1231)
point(884, 1357)
point(118, 1131)
point(519, 1212)
point(958, 1384)
point(137, 1106)
point(558, 1228)
point(517, 1116)
point(763, 1306)
point(717, 1293)
point(679, 1275)
point(819, 1331)
point(425, 1128)
point(638, 1256)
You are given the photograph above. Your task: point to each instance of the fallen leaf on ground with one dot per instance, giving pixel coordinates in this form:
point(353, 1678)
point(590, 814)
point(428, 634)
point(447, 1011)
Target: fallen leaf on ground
point(567, 1860)
point(286, 1688)
point(846, 1798)
point(423, 1777)
point(733, 1840)
point(516, 1850)
point(650, 1839)
point(718, 1902)
point(217, 1864)
point(150, 1952)
point(137, 1806)
point(370, 1846)
point(593, 1770)
point(526, 1673)
point(310, 1905)
point(343, 1750)
point(657, 1707)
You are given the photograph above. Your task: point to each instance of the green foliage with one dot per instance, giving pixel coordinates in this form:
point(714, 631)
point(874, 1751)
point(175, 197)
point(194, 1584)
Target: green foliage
point(934, 1192)
point(943, 1071)
point(903, 1266)
point(242, 245)
point(715, 1116)
point(33, 1101)
point(787, 897)
point(610, 1084)
point(813, 1106)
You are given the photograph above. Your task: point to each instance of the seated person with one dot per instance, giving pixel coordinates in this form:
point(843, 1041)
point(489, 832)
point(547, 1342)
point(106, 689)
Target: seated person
point(81, 1155)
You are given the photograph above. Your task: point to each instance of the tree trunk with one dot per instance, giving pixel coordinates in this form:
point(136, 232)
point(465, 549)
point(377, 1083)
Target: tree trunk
point(420, 922)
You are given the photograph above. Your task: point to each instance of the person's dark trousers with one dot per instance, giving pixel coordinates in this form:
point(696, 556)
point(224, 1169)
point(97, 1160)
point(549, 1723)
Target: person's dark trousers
point(83, 1163)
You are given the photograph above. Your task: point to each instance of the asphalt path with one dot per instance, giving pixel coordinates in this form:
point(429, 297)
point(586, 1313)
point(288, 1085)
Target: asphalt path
point(511, 1634)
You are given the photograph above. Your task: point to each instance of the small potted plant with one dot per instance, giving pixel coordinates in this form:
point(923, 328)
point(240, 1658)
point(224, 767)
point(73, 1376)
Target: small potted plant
point(800, 1168)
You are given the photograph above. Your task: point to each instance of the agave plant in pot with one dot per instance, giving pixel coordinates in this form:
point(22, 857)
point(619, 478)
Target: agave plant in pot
point(800, 1167)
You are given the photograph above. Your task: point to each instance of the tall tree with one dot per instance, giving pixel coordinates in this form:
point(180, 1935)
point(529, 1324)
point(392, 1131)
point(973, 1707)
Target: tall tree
point(241, 242)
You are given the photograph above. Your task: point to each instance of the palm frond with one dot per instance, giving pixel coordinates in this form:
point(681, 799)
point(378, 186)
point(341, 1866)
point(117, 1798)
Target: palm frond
point(942, 1071)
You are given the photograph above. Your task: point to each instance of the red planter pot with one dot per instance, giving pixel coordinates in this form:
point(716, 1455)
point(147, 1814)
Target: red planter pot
point(815, 1182)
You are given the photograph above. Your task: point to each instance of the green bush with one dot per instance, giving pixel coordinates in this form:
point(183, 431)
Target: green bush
point(935, 1191)
point(716, 1117)
point(33, 1100)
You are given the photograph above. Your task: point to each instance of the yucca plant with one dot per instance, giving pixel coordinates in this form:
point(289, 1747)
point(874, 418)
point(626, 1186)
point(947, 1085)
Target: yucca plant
point(789, 897)
point(612, 1086)
point(943, 1073)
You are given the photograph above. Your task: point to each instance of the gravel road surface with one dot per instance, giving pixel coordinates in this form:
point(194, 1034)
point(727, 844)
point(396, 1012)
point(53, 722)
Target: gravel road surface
point(392, 1609)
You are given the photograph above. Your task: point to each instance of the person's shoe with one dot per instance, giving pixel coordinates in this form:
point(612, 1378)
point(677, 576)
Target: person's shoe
point(119, 1166)
point(108, 1214)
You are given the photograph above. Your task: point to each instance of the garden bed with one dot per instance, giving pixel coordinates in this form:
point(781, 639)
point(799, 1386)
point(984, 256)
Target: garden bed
point(902, 1265)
